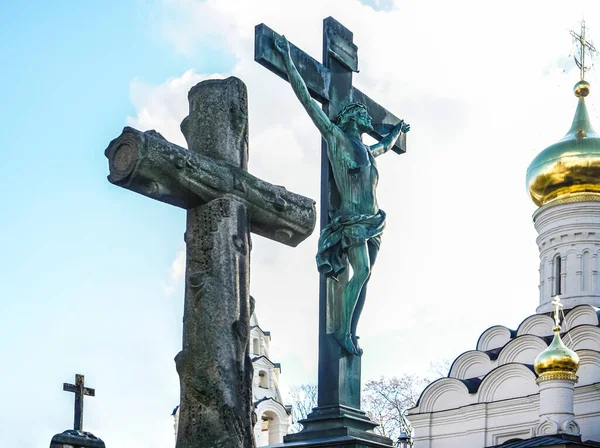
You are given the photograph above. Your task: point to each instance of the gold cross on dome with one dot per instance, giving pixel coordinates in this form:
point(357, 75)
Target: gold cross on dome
point(584, 45)
point(557, 307)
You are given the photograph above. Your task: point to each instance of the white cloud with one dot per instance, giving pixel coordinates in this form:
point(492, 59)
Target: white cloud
point(176, 273)
point(483, 88)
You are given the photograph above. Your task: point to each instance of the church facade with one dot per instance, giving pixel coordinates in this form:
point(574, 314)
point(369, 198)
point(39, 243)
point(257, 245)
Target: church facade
point(273, 417)
point(539, 384)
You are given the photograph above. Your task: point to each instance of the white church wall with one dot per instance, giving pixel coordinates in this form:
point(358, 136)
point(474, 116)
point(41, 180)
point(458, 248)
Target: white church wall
point(568, 231)
point(587, 411)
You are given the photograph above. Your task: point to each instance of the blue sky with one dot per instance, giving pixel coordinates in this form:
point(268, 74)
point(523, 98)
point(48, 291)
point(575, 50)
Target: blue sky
point(70, 241)
point(89, 275)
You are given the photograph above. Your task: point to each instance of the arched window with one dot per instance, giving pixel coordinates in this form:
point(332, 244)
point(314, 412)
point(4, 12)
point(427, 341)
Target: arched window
point(255, 348)
point(558, 286)
point(270, 429)
point(263, 379)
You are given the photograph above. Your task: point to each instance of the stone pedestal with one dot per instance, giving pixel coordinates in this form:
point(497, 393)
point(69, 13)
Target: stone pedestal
point(338, 426)
point(76, 439)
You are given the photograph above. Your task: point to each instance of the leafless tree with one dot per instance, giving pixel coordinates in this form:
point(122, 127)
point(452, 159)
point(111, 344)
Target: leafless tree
point(386, 401)
point(438, 369)
point(303, 399)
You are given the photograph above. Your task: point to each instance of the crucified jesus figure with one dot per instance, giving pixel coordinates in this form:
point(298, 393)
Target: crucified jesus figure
point(355, 227)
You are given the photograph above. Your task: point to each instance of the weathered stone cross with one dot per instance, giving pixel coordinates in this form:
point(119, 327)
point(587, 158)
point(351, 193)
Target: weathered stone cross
point(224, 203)
point(338, 412)
point(80, 391)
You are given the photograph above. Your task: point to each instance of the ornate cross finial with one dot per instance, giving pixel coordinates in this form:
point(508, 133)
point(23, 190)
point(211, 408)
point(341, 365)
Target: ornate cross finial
point(583, 45)
point(80, 390)
point(557, 307)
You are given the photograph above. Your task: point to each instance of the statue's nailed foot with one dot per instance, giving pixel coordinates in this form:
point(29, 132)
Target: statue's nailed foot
point(345, 340)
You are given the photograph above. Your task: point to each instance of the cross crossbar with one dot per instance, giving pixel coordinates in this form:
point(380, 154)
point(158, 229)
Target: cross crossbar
point(80, 391)
point(318, 79)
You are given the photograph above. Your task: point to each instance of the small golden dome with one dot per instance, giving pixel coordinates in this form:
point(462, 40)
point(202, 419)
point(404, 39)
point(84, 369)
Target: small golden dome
point(557, 358)
point(570, 166)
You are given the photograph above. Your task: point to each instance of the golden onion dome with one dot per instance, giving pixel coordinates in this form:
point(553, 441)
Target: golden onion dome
point(572, 165)
point(556, 359)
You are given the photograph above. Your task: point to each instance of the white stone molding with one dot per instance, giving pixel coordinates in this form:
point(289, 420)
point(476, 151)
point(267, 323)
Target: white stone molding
point(546, 427)
point(445, 393)
point(505, 436)
point(494, 337)
point(523, 349)
point(504, 381)
point(471, 364)
point(272, 424)
point(556, 407)
point(583, 337)
point(580, 315)
point(538, 325)
point(589, 367)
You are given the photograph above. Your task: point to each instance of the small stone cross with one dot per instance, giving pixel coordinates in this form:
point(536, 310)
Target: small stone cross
point(80, 391)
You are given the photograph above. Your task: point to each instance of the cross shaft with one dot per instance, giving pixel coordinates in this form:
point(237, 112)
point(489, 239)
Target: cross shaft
point(80, 391)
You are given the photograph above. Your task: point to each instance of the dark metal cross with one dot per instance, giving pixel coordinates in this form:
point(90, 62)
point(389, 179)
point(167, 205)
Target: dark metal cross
point(330, 83)
point(79, 390)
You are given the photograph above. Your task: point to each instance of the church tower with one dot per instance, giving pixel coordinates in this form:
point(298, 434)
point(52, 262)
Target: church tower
point(273, 417)
point(537, 385)
point(564, 181)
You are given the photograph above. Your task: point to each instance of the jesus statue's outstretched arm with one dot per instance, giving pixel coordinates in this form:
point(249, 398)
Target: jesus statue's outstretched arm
point(319, 118)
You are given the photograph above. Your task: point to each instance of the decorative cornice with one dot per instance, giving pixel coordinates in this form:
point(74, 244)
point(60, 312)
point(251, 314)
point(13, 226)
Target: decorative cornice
point(550, 376)
point(570, 199)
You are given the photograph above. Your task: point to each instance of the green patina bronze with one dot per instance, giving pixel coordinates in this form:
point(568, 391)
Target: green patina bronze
point(355, 227)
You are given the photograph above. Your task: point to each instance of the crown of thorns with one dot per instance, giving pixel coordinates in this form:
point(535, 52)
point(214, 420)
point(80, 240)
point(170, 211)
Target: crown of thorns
point(347, 109)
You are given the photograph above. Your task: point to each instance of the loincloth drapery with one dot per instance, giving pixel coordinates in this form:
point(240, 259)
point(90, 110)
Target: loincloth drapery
point(342, 233)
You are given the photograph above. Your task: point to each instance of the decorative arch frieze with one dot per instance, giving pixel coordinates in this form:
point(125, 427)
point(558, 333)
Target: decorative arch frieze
point(583, 337)
point(494, 337)
point(580, 315)
point(589, 367)
point(471, 364)
point(445, 393)
point(507, 381)
point(523, 350)
point(538, 325)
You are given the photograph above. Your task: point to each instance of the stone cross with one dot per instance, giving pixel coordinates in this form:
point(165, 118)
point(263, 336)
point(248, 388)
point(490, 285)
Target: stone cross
point(80, 391)
point(330, 83)
point(224, 203)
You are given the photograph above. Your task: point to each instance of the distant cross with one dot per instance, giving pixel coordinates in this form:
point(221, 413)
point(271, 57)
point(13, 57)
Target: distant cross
point(583, 46)
point(80, 391)
point(557, 309)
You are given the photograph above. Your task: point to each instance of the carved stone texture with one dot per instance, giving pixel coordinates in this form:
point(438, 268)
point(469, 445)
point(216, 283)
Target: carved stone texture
point(148, 164)
point(218, 120)
point(214, 368)
point(76, 439)
point(224, 204)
